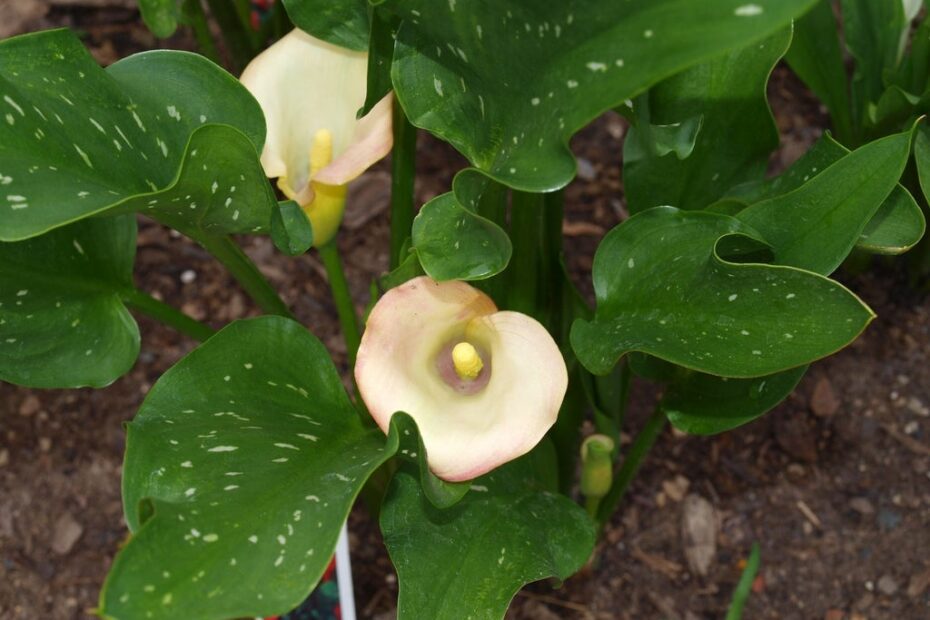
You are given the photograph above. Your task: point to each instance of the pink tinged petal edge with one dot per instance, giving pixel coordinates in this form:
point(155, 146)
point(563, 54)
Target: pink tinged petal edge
point(465, 436)
point(304, 84)
point(372, 140)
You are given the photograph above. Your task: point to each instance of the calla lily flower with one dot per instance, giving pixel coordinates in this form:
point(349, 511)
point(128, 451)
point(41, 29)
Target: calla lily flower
point(310, 92)
point(483, 385)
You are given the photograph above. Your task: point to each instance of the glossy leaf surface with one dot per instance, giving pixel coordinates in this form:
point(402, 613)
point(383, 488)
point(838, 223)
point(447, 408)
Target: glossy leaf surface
point(468, 561)
point(816, 226)
point(340, 22)
point(452, 241)
point(508, 83)
point(241, 467)
point(663, 289)
point(736, 136)
point(62, 323)
point(165, 133)
point(895, 228)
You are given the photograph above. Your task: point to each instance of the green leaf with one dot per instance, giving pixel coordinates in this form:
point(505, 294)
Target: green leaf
point(290, 229)
point(816, 226)
point(509, 83)
point(873, 33)
point(897, 226)
point(470, 560)
point(703, 404)
point(663, 289)
point(815, 55)
point(340, 22)
point(380, 54)
point(241, 467)
point(735, 139)
point(452, 241)
point(922, 158)
point(440, 493)
point(161, 16)
point(165, 133)
point(62, 323)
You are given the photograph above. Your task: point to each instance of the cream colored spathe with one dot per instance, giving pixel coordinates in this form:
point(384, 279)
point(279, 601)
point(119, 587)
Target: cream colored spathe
point(310, 92)
point(471, 422)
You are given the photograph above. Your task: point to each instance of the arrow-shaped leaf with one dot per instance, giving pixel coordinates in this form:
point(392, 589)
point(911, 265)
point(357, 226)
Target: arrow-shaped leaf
point(468, 561)
point(663, 289)
point(62, 323)
point(508, 83)
point(165, 133)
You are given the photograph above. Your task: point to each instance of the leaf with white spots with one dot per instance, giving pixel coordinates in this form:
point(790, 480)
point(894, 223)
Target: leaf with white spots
point(165, 133)
point(509, 83)
point(817, 225)
point(341, 22)
point(241, 467)
point(468, 561)
point(62, 322)
point(683, 303)
point(452, 241)
point(735, 139)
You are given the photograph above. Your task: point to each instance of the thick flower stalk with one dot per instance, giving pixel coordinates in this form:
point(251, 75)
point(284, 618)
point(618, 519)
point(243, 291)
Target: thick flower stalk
point(310, 92)
point(483, 385)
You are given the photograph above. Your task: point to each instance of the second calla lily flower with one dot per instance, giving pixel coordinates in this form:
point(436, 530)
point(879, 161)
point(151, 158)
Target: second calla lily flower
point(483, 385)
point(310, 92)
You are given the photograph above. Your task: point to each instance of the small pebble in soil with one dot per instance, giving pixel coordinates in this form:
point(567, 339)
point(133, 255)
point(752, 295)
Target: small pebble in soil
point(586, 171)
point(29, 406)
point(914, 404)
point(4, 457)
point(824, 402)
point(862, 506)
point(888, 519)
point(65, 533)
point(912, 427)
point(887, 585)
point(188, 276)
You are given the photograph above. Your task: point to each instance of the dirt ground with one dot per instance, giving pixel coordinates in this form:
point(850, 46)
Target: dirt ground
point(834, 484)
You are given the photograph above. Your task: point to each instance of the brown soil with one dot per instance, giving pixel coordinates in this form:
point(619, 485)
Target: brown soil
point(834, 484)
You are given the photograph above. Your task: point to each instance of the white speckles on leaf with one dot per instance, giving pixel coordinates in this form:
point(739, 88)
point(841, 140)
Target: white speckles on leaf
point(732, 297)
point(748, 10)
point(83, 156)
point(209, 538)
point(437, 84)
point(597, 66)
point(223, 449)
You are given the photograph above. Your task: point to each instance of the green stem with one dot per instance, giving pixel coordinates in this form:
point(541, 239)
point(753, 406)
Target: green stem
point(197, 19)
point(348, 320)
point(244, 270)
point(145, 303)
point(403, 172)
point(492, 205)
point(591, 504)
point(526, 228)
point(237, 38)
point(631, 464)
point(744, 587)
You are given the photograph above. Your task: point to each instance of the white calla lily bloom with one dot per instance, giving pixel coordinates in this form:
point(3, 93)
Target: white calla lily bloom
point(483, 385)
point(310, 92)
